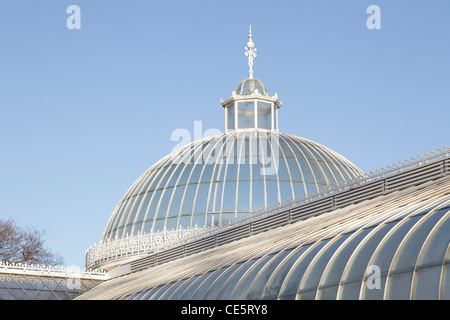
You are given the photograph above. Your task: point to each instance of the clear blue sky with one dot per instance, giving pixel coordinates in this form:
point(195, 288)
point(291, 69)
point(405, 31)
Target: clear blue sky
point(83, 113)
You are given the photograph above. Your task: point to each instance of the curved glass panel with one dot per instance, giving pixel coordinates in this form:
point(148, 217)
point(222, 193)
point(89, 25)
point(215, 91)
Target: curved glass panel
point(259, 283)
point(354, 273)
point(275, 282)
point(332, 274)
point(248, 87)
point(426, 283)
point(308, 286)
point(233, 279)
point(401, 272)
point(290, 285)
point(214, 290)
point(383, 256)
point(246, 280)
point(187, 295)
point(203, 289)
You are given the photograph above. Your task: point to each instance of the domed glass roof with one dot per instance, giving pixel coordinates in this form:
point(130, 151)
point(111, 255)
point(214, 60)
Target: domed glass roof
point(223, 177)
point(248, 87)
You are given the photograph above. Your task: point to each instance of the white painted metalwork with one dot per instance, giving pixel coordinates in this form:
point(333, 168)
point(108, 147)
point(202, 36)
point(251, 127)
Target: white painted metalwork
point(250, 52)
point(51, 271)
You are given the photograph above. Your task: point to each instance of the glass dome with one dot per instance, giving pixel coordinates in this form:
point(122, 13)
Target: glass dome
point(223, 177)
point(248, 87)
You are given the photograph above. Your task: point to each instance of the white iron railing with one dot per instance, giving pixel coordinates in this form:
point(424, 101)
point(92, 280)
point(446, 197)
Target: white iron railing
point(53, 271)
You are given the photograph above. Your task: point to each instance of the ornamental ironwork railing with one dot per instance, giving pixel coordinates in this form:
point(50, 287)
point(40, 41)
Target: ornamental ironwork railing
point(147, 243)
point(53, 271)
point(143, 243)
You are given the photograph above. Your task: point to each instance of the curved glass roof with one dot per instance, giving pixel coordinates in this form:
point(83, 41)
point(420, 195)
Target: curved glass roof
point(391, 247)
point(224, 177)
point(248, 87)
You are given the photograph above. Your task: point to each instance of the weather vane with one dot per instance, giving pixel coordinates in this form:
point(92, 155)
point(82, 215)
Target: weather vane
point(250, 52)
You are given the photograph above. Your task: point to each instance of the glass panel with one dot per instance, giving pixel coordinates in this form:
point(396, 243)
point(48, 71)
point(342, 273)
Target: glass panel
point(6, 295)
point(382, 257)
point(148, 223)
point(398, 286)
point(188, 199)
point(286, 191)
point(207, 171)
point(149, 293)
point(244, 196)
point(426, 284)
point(318, 173)
point(228, 288)
point(299, 189)
point(171, 223)
point(290, 285)
point(19, 294)
point(218, 284)
point(259, 283)
point(171, 290)
point(202, 198)
point(307, 175)
point(333, 272)
point(357, 265)
point(283, 173)
point(162, 291)
point(272, 193)
point(240, 291)
point(159, 225)
point(229, 197)
point(177, 195)
point(310, 282)
point(177, 294)
point(258, 201)
point(246, 115)
point(294, 170)
point(230, 121)
point(144, 295)
point(193, 288)
point(406, 257)
point(445, 282)
point(198, 220)
point(163, 204)
point(434, 249)
point(244, 171)
point(410, 248)
point(185, 221)
point(10, 283)
point(276, 280)
point(143, 208)
point(203, 289)
point(427, 278)
point(264, 115)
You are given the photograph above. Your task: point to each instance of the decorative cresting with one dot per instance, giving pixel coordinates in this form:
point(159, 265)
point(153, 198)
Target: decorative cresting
point(141, 244)
point(51, 271)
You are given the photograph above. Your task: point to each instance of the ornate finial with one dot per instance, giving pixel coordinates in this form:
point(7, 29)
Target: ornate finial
point(250, 52)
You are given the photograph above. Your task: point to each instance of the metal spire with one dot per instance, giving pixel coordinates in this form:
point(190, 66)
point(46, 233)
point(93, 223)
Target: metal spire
point(250, 52)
